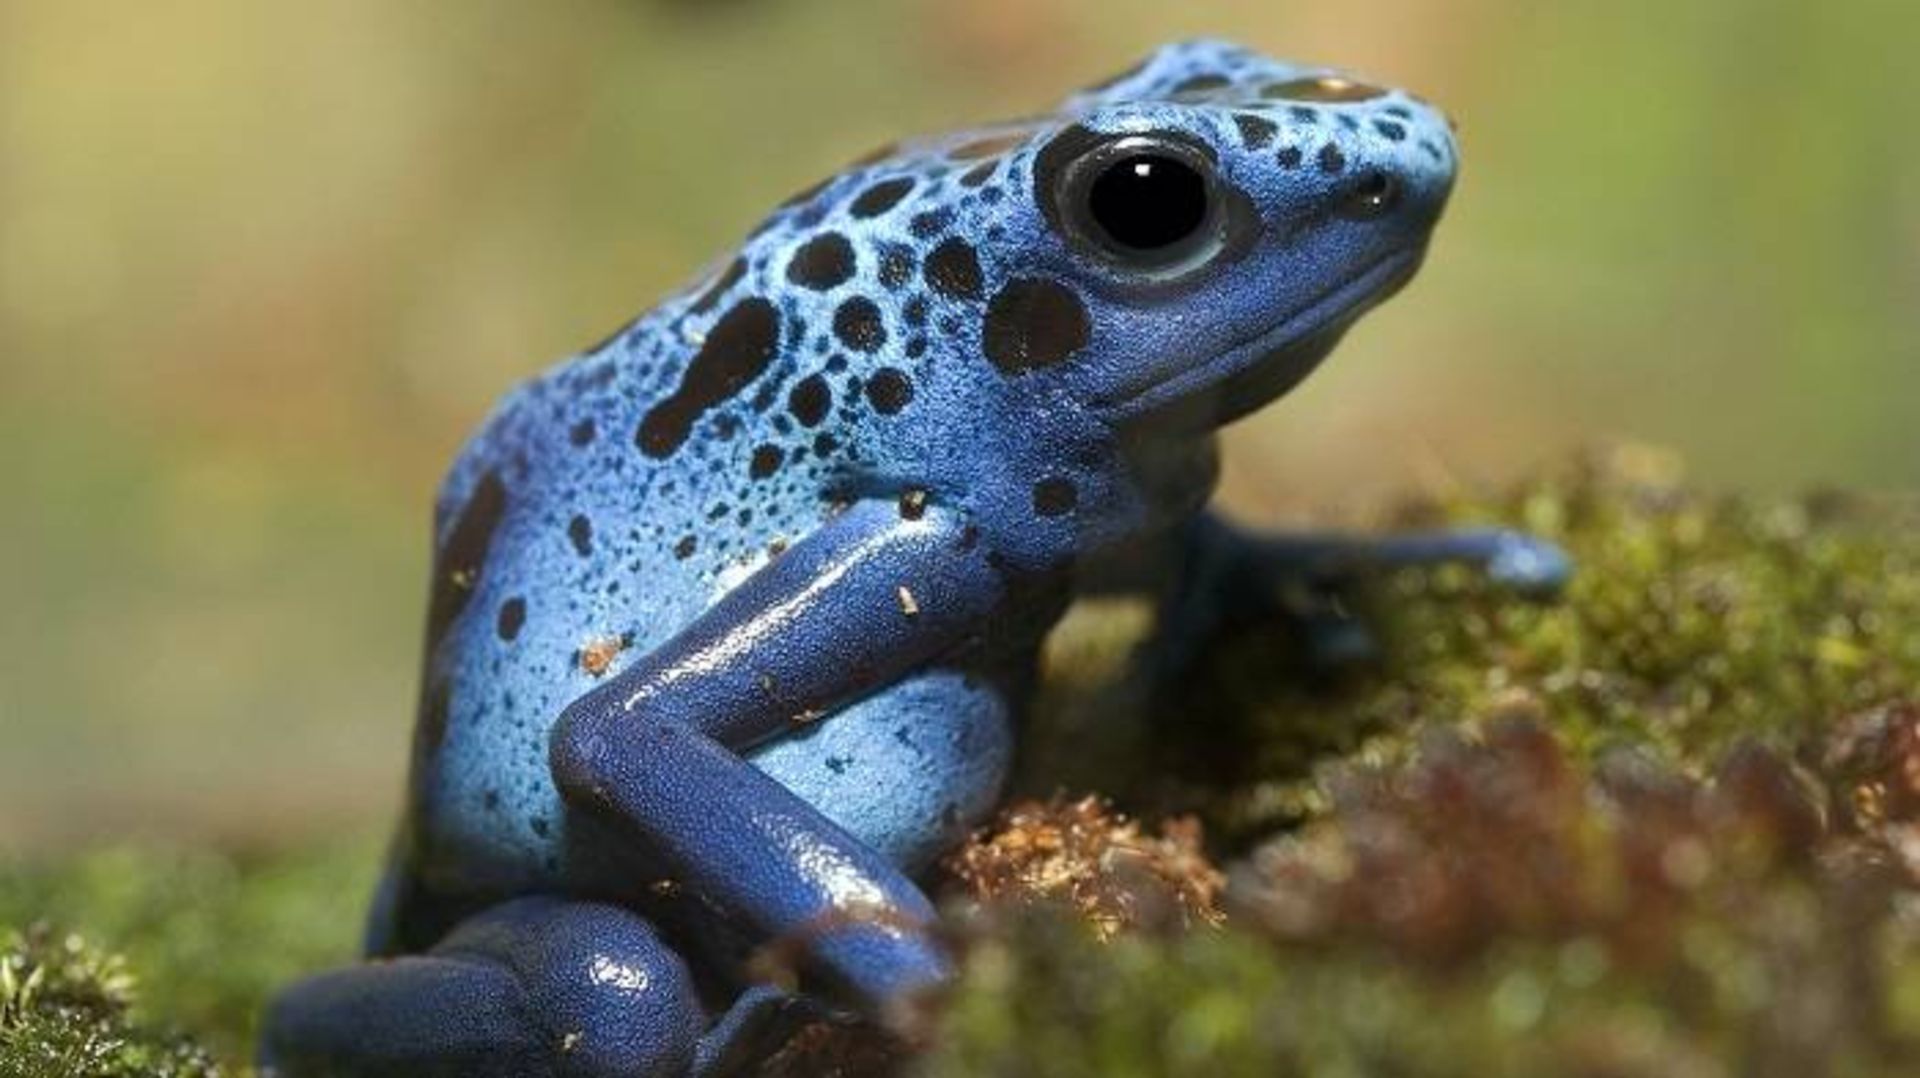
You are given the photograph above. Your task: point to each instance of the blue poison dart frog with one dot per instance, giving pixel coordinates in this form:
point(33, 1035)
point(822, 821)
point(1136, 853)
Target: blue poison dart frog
point(732, 614)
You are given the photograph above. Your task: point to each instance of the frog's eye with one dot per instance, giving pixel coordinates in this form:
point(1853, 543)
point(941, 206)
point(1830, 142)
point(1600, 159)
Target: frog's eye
point(1148, 201)
point(1143, 203)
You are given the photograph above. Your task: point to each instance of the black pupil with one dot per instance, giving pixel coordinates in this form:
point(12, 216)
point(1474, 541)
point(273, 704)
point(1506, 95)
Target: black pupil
point(1148, 201)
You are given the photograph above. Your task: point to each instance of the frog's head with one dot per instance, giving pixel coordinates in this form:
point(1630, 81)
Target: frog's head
point(1188, 240)
point(1167, 251)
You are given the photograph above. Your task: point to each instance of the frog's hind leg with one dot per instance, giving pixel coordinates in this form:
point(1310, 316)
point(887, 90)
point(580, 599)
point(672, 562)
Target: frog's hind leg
point(534, 987)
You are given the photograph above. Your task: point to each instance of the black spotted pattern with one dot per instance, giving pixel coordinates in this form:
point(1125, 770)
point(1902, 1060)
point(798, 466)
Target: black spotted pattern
point(881, 197)
point(1255, 131)
point(822, 262)
point(513, 615)
point(896, 265)
point(1033, 323)
point(858, 324)
point(1199, 84)
point(810, 400)
point(580, 534)
point(737, 350)
point(953, 270)
point(460, 563)
point(889, 390)
point(931, 223)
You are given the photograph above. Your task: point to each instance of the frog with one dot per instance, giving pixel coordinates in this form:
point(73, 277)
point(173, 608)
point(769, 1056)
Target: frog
point(734, 615)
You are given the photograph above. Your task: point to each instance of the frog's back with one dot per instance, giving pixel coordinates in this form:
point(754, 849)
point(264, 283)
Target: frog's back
point(610, 500)
point(563, 550)
point(908, 328)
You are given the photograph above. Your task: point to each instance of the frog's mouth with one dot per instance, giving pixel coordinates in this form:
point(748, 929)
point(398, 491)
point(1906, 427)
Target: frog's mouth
point(1255, 372)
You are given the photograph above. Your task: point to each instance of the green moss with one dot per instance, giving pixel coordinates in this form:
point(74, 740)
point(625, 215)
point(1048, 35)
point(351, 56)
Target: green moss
point(1040, 998)
point(210, 934)
point(64, 1011)
point(1662, 827)
point(1694, 621)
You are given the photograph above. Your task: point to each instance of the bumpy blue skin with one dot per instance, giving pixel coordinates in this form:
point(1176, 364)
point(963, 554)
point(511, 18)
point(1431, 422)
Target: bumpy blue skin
point(733, 614)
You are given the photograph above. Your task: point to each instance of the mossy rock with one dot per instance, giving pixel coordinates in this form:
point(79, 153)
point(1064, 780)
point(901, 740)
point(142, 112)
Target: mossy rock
point(1667, 825)
point(1695, 621)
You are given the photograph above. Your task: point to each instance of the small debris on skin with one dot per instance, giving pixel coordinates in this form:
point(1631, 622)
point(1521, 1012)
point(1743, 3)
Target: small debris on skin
point(1085, 856)
point(908, 604)
point(596, 657)
point(913, 504)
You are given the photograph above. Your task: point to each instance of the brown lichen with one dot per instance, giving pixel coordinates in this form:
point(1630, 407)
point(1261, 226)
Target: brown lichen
point(1486, 841)
point(1873, 763)
point(1083, 855)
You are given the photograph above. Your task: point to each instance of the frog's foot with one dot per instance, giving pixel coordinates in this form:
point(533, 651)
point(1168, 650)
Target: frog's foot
point(1527, 565)
point(760, 1021)
point(537, 986)
point(1235, 578)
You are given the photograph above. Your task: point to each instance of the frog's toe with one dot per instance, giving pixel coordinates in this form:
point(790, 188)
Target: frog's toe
point(760, 1021)
point(1528, 565)
point(615, 1000)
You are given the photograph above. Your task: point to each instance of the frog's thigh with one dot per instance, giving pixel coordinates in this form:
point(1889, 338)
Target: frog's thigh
point(907, 770)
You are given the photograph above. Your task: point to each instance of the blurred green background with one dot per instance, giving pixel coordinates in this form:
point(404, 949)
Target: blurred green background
point(262, 263)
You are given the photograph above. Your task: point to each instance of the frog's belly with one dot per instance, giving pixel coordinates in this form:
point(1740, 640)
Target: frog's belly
point(907, 770)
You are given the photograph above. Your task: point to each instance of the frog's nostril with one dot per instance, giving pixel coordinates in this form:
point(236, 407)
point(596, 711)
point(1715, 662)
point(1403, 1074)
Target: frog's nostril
point(1372, 194)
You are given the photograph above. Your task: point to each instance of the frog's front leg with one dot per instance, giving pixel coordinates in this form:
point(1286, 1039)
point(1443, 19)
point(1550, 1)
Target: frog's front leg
point(655, 751)
point(1225, 574)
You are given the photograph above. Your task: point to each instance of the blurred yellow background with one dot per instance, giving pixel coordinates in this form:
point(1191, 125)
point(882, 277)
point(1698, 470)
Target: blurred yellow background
point(263, 262)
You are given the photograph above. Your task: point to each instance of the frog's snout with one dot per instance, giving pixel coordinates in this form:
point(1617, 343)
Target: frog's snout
point(1349, 148)
point(1399, 169)
point(1399, 198)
